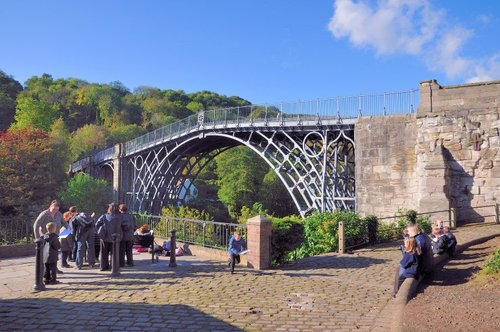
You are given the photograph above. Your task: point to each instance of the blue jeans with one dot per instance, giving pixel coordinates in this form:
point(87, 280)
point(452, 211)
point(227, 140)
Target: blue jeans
point(80, 251)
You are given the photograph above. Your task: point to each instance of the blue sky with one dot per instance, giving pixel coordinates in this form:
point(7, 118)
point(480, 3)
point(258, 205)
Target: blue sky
point(262, 51)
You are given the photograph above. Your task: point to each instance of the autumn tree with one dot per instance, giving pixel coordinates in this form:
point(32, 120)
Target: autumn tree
point(30, 169)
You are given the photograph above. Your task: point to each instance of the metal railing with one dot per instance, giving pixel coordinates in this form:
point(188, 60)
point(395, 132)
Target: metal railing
point(15, 229)
point(388, 228)
point(210, 234)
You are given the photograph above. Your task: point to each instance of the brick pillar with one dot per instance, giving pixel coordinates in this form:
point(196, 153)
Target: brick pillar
point(259, 231)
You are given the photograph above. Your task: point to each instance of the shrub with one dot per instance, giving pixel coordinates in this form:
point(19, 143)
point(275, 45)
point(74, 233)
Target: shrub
point(321, 231)
point(287, 236)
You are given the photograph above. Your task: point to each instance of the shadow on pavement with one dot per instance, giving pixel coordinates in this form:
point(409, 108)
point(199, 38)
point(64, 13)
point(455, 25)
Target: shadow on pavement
point(333, 262)
point(50, 314)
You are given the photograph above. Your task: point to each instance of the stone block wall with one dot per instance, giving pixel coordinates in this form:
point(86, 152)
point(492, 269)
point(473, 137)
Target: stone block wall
point(385, 164)
point(444, 156)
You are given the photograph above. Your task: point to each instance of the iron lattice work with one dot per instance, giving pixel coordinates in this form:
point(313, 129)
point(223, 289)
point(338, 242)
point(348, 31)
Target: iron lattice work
point(316, 165)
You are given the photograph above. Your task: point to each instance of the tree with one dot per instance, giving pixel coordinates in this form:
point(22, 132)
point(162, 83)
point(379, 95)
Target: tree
point(31, 112)
point(86, 193)
point(125, 133)
point(275, 197)
point(87, 138)
point(30, 169)
point(60, 138)
point(9, 89)
point(240, 173)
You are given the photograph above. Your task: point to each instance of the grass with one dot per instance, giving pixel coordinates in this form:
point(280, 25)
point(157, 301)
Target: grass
point(490, 273)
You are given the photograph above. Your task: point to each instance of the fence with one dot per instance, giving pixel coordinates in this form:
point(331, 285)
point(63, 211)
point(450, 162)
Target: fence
point(15, 229)
point(210, 234)
point(387, 229)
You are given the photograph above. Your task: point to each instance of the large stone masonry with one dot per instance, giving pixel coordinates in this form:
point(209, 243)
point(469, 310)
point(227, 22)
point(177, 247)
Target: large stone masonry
point(444, 156)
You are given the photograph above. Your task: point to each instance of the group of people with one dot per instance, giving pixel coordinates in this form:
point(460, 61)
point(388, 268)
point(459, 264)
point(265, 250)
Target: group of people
point(83, 236)
point(418, 251)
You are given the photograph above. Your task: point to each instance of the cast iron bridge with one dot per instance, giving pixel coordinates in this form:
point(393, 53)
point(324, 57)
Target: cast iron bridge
point(310, 146)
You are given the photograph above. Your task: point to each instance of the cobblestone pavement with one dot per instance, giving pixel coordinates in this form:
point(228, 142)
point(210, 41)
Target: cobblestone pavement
point(330, 292)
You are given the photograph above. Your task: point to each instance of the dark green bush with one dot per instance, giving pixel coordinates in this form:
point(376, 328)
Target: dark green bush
point(287, 236)
point(321, 232)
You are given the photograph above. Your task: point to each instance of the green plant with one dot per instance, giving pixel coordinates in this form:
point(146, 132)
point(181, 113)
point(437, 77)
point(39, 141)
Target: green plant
point(288, 235)
point(321, 231)
point(424, 223)
point(492, 266)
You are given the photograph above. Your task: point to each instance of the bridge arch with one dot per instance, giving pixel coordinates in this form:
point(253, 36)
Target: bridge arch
point(315, 166)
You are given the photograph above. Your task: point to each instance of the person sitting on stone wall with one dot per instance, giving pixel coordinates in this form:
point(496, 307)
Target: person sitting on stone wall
point(440, 242)
point(452, 241)
point(408, 266)
point(426, 263)
point(143, 236)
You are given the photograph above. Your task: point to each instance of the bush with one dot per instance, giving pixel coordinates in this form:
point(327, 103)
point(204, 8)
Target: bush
point(372, 224)
point(287, 236)
point(321, 231)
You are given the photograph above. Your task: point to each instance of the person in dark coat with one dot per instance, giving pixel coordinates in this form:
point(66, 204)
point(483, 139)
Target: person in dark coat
point(107, 225)
point(127, 242)
point(50, 253)
point(426, 263)
point(83, 229)
point(408, 266)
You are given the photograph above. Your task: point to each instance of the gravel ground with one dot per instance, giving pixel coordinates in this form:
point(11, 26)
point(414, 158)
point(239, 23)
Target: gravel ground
point(453, 302)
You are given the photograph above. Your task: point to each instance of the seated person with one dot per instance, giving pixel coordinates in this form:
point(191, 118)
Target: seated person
point(143, 236)
point(440, 242)
point(452, 241)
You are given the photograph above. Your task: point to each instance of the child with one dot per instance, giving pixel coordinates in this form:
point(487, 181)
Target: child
point(408, 266)
point(236, 245)
point(50, 253)
point(439, 241)
point(452, 241)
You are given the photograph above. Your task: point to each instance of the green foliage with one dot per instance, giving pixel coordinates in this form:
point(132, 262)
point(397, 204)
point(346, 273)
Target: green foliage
point(372, 224)
point(86, 139)
point(424, 223)
point(35, 113)
point(247, 213)
point(287, 236)
point(240, 173)
point(321, 231)
point(87, 193)
point(185, 212)
point(275, 197)
point(492, 266)
point(125, 133)
point(9, 89)
point(60, 139)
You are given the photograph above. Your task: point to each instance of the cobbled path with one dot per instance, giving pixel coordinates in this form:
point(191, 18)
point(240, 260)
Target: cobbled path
point(330, 292)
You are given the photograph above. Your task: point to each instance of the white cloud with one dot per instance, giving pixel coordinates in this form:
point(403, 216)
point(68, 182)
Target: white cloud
point(409, 27)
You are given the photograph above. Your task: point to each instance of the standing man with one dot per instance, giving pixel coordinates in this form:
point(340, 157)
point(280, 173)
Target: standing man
point(52, 214)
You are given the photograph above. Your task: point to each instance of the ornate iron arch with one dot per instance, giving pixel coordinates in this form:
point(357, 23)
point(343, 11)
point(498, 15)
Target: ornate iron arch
point(316, 167)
